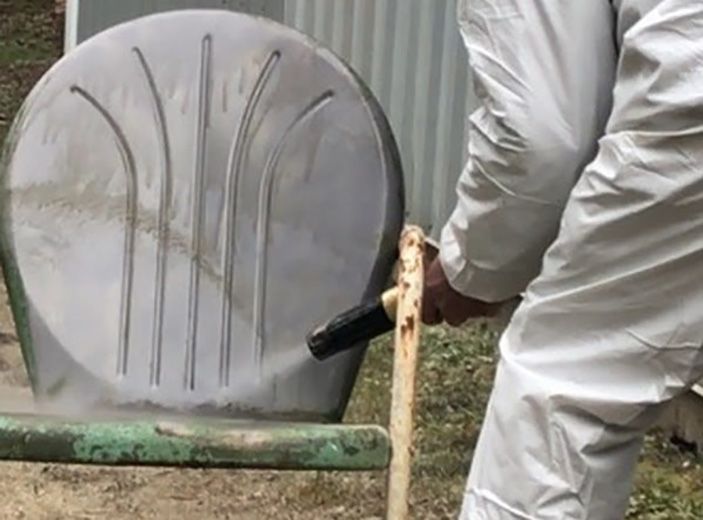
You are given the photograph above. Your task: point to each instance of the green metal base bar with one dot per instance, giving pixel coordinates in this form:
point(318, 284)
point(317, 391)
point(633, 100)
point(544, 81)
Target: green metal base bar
point(203, 443)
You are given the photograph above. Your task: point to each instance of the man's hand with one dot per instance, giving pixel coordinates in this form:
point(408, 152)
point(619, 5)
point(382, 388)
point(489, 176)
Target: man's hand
point(443, 303)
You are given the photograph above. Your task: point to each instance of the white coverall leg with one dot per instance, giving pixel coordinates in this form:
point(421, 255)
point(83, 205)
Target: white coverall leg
point(612, 325)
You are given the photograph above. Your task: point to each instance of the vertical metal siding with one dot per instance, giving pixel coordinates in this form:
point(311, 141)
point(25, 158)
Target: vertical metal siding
point(408, 51)
point(88, 17)
point(411, 55)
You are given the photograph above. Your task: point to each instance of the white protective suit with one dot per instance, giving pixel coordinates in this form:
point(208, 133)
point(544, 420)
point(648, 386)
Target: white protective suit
point(584, 192)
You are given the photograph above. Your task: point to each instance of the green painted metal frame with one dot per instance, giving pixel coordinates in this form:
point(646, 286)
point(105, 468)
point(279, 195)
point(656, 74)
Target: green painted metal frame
point(212, 443)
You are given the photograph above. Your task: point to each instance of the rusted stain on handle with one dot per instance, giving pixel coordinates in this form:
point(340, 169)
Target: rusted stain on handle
point(407, 341)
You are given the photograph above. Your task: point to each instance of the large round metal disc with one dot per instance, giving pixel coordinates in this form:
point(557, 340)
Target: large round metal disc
point(185, 196)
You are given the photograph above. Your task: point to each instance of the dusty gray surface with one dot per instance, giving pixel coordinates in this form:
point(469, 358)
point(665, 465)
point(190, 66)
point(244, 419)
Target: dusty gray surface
point(49, 491)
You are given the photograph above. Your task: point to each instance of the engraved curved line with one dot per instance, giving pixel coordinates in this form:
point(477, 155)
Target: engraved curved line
point(197, 197)
point(234, 167)
point(164, 213)
point(263, 221)
point(130, 170)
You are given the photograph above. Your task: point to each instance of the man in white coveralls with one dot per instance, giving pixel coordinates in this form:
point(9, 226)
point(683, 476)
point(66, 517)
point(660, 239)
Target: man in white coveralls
point(583, 192)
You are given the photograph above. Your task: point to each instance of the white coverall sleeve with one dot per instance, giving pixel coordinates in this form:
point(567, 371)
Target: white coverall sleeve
point(543, 72)
point(612, 328)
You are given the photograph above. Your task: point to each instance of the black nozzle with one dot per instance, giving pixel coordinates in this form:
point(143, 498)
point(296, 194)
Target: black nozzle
point(349, 330)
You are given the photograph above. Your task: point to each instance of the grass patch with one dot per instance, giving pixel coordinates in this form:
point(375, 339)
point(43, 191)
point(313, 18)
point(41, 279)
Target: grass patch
point(455, 377)
point(668, 484)
point(16, 51)
point(30, 41)
point(454, 380)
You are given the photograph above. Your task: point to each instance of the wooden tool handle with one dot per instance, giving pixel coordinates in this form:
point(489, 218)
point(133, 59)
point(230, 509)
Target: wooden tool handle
point(407, 343)
point(355, 327)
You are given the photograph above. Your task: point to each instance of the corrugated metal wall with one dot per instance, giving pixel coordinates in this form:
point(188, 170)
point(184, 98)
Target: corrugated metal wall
point(408, 51)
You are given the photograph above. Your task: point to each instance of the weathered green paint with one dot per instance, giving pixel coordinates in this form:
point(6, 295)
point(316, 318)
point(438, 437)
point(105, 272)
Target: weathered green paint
point(18, 302)
point(207, 443)
point(10, 269)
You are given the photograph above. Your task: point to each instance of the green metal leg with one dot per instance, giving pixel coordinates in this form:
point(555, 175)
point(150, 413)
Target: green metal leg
point(205, 443)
